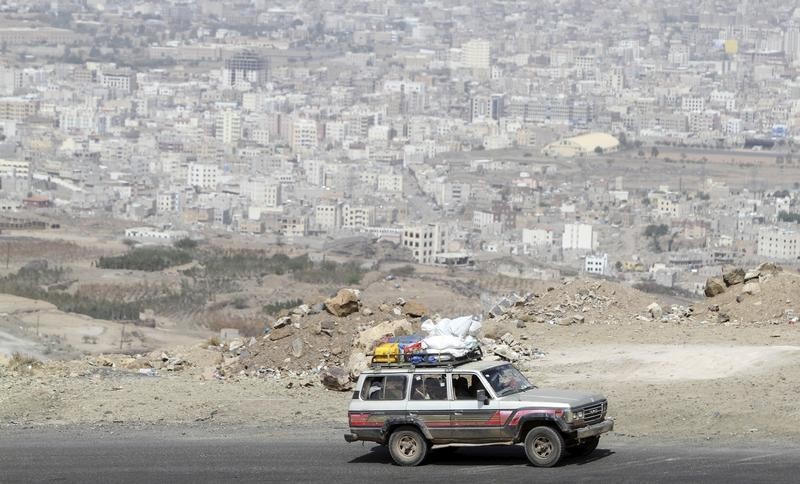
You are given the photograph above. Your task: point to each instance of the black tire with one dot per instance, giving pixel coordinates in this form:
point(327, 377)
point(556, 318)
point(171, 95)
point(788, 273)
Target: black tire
point(585, 447)
point(544, 446)
point(408, 446)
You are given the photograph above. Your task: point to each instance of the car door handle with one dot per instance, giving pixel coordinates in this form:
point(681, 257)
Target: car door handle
point(412, 414)
point(458, 413)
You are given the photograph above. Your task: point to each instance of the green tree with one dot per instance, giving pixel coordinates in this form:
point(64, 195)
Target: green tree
point(185, 243)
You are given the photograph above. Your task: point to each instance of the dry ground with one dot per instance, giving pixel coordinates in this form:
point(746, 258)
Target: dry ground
point(676, 382)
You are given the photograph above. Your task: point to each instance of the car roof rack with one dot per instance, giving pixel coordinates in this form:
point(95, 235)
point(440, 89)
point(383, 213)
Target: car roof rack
point(424, 360)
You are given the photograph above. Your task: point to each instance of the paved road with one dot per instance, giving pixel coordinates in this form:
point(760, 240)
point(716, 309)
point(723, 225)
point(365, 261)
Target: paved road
point(219, 455)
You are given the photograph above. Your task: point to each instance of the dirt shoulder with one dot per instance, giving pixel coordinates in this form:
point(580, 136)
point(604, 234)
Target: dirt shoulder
point(680, 383)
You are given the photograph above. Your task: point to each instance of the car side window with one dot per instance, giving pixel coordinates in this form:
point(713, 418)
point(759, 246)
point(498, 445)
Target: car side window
point(384, 388)
point(431, 386)
point(466, 386)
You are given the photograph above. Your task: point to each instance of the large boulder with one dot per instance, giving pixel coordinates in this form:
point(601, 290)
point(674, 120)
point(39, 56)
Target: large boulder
point(769, 268)
point(357, 363)
point(714, 286)
point(346, 302)
point(367, 339)
point(734, 276)
point(655, 311)
point(336, 379)
point(415, 309)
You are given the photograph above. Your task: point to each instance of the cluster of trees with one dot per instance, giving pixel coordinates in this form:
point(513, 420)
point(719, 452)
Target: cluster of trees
point(31, 283)
point(147, 259)
point(785, 216)
point(654, 232)
point(276, 307)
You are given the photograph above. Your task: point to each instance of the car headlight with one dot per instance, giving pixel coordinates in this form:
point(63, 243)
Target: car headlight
point(571, 416)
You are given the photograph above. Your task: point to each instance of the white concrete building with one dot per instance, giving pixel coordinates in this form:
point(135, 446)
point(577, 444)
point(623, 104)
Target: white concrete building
point(390, 182)
point(596, 264)
point(578, 237)
point(228, 126)
point(151, 235)
point(303, 134)
point(778, 243)
point(477, 54)
point(203, 176)
point(14, 168)
point(424, 241)
point(538, 238)
point(262, 192)
point(354, 216)
point(328, 216)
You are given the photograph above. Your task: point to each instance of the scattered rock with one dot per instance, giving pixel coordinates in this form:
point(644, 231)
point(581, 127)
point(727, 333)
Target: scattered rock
point(734, 276)
point(655, 311)
point(752, 275)
point(280, 333)
point(281, 322)
point(297, 348)
point(752, 288)
point(346, 302)
point(301, 310)
point(336, 379)
point(714, 286)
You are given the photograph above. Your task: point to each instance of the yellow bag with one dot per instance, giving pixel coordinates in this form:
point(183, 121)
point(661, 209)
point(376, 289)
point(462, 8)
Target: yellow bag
point(386, 353)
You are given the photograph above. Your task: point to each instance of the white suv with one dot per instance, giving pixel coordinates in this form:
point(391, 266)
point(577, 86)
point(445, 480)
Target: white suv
point(412, 408)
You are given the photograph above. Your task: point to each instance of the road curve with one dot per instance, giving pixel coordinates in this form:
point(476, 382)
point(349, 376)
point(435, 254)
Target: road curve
point(258, 455)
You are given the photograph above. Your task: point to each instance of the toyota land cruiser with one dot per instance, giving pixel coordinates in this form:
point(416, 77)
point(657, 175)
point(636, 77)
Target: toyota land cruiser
point(411, 408)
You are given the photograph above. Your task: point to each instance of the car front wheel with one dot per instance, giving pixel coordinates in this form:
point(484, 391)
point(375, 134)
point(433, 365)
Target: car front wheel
point(407, 446)
point(544, 446)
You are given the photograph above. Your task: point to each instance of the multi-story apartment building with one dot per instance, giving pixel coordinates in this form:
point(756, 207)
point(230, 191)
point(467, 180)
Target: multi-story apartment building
point(357, 216)
point(203, 175)
point(424, 241)
point(578, 237)
point(778, 243)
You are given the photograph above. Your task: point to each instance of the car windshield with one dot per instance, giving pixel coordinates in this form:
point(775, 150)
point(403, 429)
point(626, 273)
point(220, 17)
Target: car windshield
point(506, 380)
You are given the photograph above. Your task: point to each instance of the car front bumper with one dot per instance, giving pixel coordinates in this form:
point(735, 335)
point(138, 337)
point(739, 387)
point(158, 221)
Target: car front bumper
point(606, 425)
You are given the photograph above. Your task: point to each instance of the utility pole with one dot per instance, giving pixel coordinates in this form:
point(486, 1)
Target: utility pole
point(122, 337)
point(8, 253)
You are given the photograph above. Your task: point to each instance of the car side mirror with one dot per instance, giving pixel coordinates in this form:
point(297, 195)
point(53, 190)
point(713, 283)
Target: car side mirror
point(482, 397)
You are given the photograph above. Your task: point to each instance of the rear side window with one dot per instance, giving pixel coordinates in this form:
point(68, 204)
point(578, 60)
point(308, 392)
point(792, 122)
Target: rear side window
point(384, 388)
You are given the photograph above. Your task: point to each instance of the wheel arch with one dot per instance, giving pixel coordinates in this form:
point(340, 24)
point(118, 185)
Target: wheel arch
point(393, 424)
point(530, 422)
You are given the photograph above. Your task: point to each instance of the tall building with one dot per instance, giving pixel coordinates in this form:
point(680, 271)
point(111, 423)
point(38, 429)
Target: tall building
point(245, 67)
point(578, 237)
point(477, 54)
point(304, 134)
point(228, 126)
point(486, 107)
point(791, 41)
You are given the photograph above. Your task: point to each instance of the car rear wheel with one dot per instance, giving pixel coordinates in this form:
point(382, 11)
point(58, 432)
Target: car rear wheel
point(585, 447)
point(407, 446)
point(544, 446)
